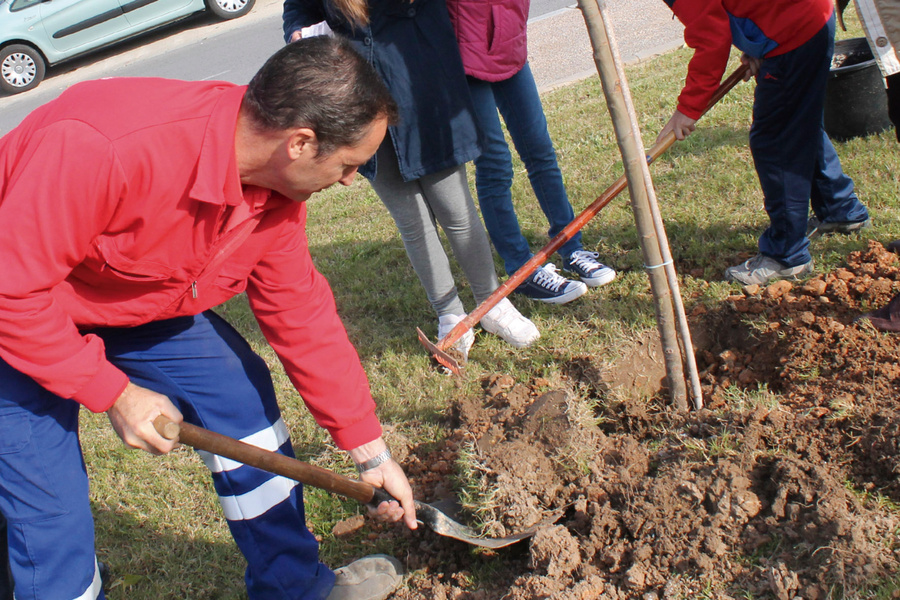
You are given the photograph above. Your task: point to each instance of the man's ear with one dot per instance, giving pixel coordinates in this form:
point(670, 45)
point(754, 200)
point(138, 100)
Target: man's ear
point(300, 140)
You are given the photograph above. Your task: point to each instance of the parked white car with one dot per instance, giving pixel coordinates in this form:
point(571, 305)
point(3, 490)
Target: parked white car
point(38, 33)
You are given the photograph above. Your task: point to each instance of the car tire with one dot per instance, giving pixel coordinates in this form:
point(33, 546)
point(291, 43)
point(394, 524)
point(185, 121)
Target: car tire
point(229, 9)
point(21, 68)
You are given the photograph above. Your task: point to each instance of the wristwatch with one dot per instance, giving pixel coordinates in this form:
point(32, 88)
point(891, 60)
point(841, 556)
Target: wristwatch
point(380, 458)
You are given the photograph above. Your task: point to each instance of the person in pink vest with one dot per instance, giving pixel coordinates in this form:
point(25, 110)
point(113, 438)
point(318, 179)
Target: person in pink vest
point(493, 43)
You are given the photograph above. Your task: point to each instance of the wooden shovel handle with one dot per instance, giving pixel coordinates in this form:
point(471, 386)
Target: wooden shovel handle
point(222, 445)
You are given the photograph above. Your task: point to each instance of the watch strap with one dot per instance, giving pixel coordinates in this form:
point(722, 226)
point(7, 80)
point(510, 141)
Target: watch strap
point(379, 459)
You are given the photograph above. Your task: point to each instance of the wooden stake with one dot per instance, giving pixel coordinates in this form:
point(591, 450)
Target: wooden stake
point(639, 184)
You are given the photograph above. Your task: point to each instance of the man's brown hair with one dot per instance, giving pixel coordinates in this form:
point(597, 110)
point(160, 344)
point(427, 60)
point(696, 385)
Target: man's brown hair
point(321, 83)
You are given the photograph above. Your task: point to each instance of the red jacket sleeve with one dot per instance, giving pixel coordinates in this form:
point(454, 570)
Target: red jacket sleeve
point(295, 308)
point(58, 188)
point(707, 31)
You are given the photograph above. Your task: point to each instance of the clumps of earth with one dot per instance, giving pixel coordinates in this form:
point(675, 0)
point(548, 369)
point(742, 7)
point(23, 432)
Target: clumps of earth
point(780, 487)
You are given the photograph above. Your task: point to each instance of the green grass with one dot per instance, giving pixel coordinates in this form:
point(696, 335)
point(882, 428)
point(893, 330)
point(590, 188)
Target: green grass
point(158, 523)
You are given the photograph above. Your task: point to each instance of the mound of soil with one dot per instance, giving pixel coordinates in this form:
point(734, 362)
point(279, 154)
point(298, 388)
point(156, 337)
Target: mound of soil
point(748, 497)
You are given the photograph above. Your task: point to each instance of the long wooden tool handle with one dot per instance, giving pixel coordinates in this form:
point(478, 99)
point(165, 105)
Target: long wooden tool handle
point(222, 445)
point(525, 271)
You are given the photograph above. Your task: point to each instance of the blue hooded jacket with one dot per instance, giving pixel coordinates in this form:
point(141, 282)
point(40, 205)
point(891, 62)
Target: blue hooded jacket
point(413, 47)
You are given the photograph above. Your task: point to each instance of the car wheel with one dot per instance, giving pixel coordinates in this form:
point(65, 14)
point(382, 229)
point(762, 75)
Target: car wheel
point(21, 68)
point(229, 9)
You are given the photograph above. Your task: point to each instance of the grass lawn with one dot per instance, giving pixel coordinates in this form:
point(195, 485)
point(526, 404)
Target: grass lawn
point(158, 522)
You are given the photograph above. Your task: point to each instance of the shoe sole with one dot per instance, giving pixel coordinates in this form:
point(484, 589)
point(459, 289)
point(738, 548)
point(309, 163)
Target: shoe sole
point(511, 341)
point(598, 281)
point(795, 277)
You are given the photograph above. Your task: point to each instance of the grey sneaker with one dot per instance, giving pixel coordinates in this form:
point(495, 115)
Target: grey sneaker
point(371, 578)
point(761, 269)
point(815, 228)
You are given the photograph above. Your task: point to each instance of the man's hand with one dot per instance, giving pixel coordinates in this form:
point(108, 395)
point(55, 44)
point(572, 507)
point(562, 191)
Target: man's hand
point(681, 124)
point(753, 63)
point(296, 36)
point(388, 475)
point(132, 417)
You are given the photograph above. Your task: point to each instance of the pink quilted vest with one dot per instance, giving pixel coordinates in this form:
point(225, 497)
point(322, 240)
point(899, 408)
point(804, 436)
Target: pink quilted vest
point(492, 36)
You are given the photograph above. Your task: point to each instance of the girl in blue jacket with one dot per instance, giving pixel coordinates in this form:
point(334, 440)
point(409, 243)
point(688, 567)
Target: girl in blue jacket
point(419, 172)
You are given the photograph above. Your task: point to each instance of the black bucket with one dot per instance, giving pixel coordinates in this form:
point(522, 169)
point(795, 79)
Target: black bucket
point(855, 100)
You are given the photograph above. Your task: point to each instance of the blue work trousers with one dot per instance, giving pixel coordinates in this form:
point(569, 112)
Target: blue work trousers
point(211, 374)
point(796, 162)
point(5, 575)
point(518, 101)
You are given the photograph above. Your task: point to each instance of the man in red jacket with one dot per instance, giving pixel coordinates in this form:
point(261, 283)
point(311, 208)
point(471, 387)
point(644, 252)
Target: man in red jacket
point(788, 45)
point(128, 209)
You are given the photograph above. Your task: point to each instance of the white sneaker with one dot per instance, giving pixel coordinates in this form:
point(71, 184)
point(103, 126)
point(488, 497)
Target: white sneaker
point(506, 322)
point(446, 324)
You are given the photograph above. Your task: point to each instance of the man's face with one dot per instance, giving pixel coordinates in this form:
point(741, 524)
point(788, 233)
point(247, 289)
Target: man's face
point(308, 173)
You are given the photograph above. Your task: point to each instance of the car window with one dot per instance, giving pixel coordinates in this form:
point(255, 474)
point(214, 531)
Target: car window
point(20, 4)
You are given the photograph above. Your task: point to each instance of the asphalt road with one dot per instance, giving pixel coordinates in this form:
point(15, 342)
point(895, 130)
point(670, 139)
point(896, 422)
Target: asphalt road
point(202, 48)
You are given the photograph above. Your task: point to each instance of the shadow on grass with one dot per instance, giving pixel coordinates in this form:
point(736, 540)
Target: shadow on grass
point(149, 562)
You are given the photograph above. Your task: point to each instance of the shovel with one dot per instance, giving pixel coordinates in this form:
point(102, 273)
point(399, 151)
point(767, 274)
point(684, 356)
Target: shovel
point(307, 474)
point(439, 350)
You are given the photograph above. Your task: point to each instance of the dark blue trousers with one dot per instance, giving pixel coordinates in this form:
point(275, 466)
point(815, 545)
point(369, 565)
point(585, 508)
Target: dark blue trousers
point(796, 162)
point(6, 591)
point(211, 374)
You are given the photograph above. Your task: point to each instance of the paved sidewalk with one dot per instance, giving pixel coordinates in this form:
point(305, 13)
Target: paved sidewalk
point(559, 49)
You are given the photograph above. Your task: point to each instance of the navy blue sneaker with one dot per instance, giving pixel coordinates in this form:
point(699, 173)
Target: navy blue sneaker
point(547, 285)
point(591, 271)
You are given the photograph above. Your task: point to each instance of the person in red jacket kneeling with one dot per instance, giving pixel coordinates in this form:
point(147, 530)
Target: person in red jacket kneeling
point(122, 223)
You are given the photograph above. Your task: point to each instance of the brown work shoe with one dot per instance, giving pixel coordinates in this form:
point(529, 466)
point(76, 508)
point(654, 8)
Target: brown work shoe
point(371, 578)
point(886, 318)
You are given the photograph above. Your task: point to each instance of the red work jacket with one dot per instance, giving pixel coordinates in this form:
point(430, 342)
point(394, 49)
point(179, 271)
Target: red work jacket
point(761, 28)
point(121, 204)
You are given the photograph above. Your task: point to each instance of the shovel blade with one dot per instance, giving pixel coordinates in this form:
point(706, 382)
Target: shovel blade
point(443, 525)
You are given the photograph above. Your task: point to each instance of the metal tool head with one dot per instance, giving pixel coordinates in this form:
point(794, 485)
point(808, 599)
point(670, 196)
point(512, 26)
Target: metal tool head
point(439, 355)
point(441, 524)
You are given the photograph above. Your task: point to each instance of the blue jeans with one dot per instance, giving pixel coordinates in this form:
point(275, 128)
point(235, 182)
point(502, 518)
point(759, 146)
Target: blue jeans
point(796, 162)
point(519, 103)
point(211, 374)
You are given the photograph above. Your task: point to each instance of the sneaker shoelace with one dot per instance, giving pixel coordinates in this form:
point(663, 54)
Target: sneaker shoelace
point(586, 260)
point(756, 262)
point(548, 278)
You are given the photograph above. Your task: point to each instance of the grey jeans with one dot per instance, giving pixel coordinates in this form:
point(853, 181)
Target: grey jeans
point(417, 207)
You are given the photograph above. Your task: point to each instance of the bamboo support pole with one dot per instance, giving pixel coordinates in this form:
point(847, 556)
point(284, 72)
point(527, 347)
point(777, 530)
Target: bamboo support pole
point(637, 173)
point(684, 331)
